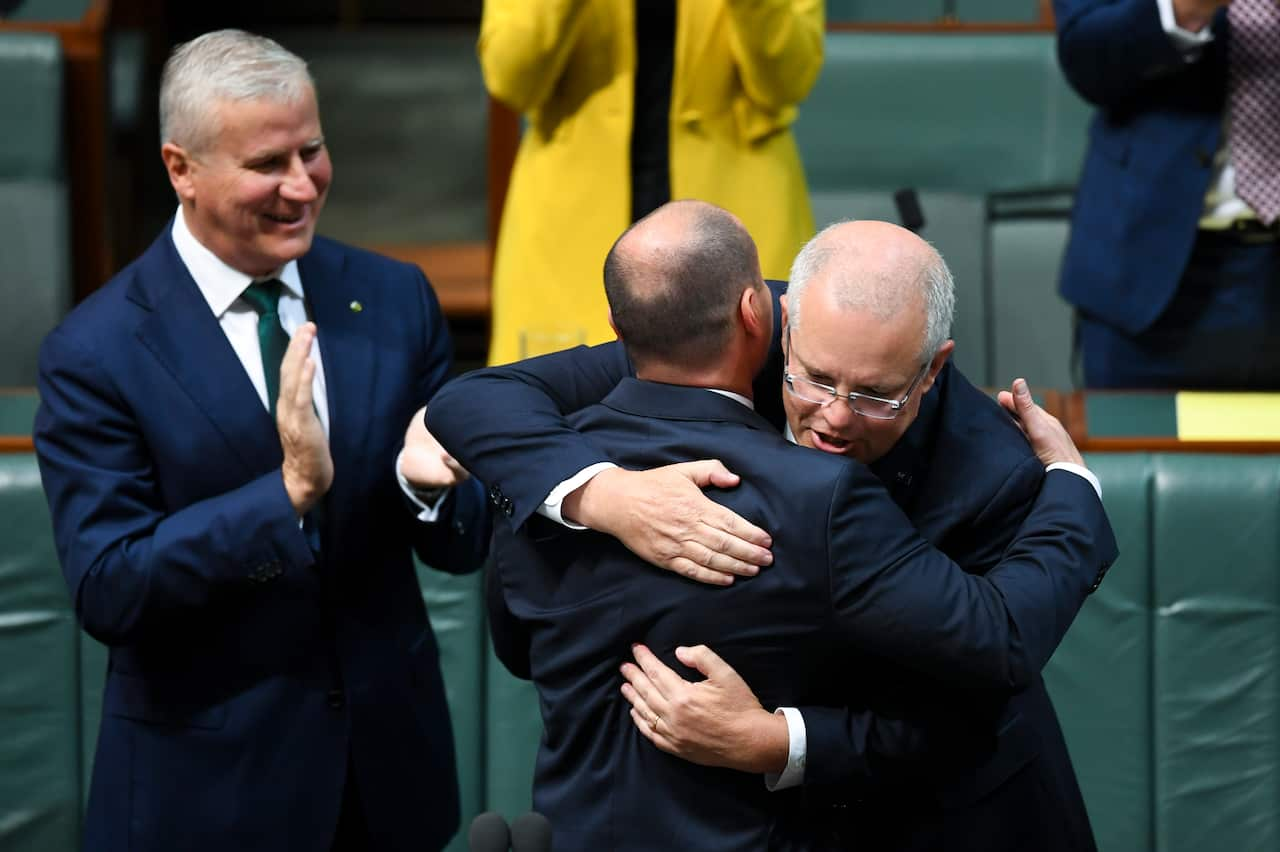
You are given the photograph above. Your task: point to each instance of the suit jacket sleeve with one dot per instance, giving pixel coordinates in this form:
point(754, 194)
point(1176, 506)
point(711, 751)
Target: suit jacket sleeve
point(846, 744)
point(507, 424)
point(133, 566)
point(458, 540)
point(1111, 52)
point(896, 597)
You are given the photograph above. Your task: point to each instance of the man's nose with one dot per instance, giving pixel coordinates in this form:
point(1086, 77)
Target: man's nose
point(297, 184)
point(839, 415)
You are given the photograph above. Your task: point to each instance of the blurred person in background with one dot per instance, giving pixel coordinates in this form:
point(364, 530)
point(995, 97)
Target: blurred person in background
point(1174, 257)
point(628, 104)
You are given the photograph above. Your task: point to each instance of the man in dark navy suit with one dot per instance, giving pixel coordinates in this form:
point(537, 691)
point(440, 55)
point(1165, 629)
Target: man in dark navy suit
point(220, 435)
point(850, 576)
point(1174, 257)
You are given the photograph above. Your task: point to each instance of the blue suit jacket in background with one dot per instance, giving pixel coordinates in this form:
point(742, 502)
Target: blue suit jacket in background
point(250, 659)
point(850, 577)
point(1150, 157)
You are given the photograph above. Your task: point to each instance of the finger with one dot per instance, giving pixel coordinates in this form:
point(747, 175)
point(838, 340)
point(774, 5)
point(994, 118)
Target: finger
point(637, 701)
point(302, 393)
point(699, 573)
point(461, 474)
point(640, 683)
point(291, 364)
point(668, 683)
point(705, 660)
point(1005, 398)
point(707, 472)
point(646, 730)
point(738, 538)
point(1022, 397)
point(713, 560)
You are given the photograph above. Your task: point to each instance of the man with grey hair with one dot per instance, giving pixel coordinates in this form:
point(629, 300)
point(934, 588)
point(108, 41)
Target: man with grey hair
point(863, 364)
point(236, 500)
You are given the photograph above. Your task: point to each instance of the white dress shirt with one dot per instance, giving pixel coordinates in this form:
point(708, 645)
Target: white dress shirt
point(1221, 204)
point(222, 288)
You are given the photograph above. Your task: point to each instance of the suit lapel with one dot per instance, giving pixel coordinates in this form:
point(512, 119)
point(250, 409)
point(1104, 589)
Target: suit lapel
point(346, 346)
point(186, 338)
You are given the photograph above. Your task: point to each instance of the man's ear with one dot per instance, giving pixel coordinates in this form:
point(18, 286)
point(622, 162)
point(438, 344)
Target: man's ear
point(755, 315)
point(180, 166)
point(935, 366)
point(613, 325)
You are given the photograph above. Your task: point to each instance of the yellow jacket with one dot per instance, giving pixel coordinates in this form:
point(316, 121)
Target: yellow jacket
point(741, 66)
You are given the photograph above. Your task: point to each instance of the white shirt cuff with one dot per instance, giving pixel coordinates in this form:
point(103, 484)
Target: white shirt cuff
point(550, 507)
point(429, 508)
point(1188, 42)
point(1078, 471)
point(793, 775)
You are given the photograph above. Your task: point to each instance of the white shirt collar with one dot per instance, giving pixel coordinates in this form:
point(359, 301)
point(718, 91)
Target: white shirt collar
point(220, 284)
point(736, 397)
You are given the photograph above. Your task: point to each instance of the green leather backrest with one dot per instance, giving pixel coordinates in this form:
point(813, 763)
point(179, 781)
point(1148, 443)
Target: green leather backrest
point(1168, 685)
point(973, 113)
point(40, 745)
point(50, 10)
point(895, 11)
point(35, 281)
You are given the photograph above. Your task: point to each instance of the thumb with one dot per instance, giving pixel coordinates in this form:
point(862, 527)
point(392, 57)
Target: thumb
point(1022, 397)
point(708, 472)
point(705, 660)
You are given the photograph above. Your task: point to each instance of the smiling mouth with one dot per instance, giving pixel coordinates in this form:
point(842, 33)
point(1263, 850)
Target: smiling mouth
point(285, 220)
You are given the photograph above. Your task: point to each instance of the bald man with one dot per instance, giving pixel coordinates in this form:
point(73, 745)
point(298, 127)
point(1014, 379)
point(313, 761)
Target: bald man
point(860, 368)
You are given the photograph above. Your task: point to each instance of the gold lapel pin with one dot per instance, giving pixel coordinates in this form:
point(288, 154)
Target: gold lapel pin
point(356, 307)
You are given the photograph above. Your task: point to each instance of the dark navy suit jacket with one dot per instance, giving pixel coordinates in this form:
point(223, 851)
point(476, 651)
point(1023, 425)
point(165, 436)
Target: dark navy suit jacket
point(850, 576)
point(251, 660)
point(1150, 156)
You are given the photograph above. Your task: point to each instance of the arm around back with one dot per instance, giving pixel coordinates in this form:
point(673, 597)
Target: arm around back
point(507, 424)
point(895, 596)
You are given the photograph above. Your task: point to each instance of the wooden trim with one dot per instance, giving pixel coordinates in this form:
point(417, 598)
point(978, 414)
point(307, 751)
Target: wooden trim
point(1173, 445)
point(944, 25)
point(85, 149)
point(504, 141)
point(459, 273)
point(16, 444)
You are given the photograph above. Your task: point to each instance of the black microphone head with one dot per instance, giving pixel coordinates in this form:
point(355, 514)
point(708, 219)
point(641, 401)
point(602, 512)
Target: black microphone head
point(909, 212)
point(531, 832)
point(489, 833)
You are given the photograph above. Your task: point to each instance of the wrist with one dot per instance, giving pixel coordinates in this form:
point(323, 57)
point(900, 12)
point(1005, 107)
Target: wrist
point(301, 492)
point(768, 743)
point(581, 506)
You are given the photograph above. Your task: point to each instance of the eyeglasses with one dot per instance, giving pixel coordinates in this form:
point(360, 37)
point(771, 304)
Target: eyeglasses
point(875, 407)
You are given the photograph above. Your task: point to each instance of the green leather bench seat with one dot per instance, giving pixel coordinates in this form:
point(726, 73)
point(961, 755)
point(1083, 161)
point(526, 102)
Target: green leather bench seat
point(39, 694)
point(1168, 685)
point(35, 285)
point(987, 130)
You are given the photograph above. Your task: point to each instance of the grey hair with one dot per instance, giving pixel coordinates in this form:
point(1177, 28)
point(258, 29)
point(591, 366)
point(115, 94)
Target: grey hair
point(228, 65)
point(934, 281)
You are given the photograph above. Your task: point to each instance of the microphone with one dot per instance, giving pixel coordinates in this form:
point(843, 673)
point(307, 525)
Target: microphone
point(909, 212)
point(531, 833)
point(489, 833)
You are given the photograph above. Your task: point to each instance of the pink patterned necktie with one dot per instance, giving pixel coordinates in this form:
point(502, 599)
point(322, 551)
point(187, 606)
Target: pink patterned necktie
point(1254, 55)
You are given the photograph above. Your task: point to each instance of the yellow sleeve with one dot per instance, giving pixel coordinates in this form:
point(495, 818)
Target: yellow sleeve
point(524, 45)
point(777, 45)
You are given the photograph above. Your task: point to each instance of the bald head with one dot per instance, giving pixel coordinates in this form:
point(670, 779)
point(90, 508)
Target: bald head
point(674, 280)
point(879, 269)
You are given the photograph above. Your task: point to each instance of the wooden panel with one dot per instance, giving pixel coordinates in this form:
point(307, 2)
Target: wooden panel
point(459, 272)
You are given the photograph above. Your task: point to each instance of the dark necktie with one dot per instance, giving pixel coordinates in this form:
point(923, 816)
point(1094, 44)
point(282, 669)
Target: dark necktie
point(272, 339)
point(1254, 54)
